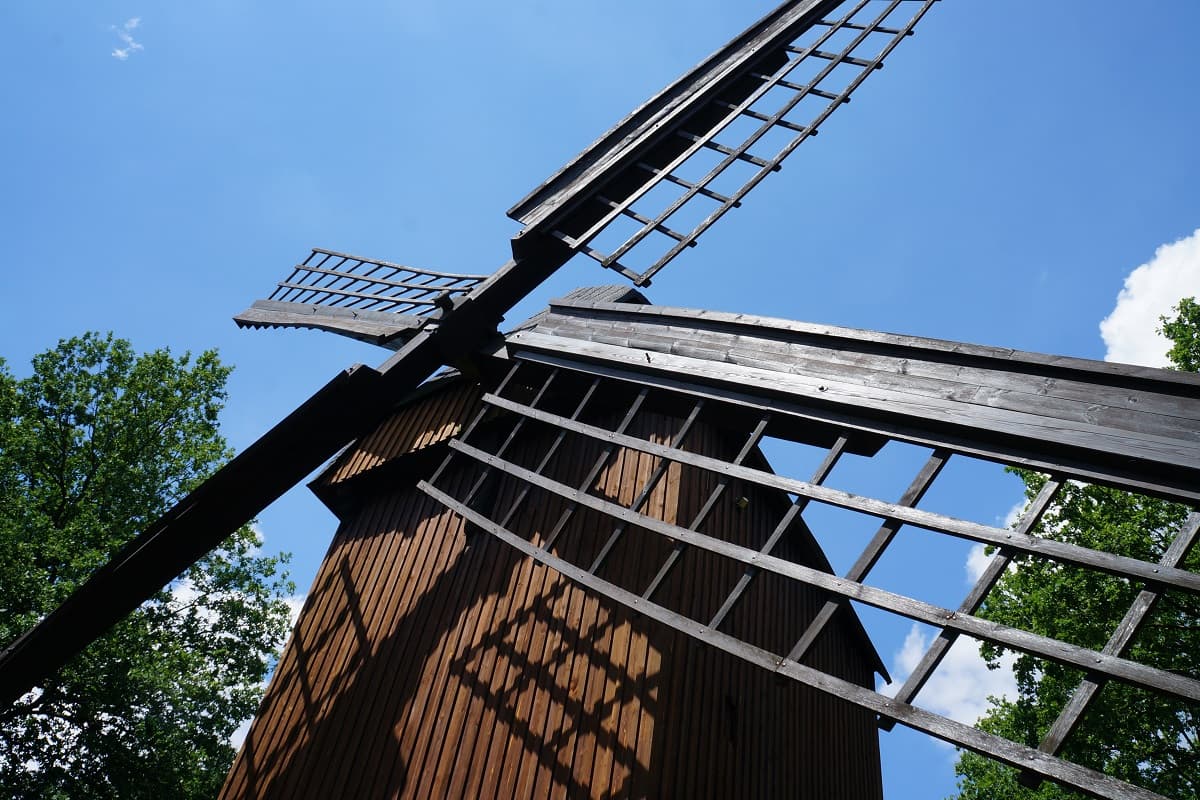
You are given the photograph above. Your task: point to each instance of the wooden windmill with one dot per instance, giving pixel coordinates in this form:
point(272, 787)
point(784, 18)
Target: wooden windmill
point(566, 566)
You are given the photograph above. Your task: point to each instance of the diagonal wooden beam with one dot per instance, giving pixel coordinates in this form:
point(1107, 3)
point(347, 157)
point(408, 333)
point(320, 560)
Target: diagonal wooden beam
point(974, 599)
point(348, 406)
point(1122, 638)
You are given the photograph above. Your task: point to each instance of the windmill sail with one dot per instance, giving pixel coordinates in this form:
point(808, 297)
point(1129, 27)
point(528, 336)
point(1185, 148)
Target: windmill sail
point(848, 393)
point(366, 299)
point(633, 201)
point(647, 189)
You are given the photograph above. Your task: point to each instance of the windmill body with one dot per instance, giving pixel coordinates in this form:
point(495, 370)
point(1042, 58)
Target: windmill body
point(432, 659)
point(568, 568)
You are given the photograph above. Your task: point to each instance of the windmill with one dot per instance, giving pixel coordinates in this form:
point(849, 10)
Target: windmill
point(847, 391)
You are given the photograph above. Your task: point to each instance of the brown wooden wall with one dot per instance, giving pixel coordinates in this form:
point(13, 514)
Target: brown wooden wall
point(433, 661)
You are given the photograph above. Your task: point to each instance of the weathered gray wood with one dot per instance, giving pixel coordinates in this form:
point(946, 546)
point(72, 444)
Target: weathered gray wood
point(1015, 540)
point(1117, 406)
point(791, 517)
point(872, 552)
point(714, 496)
point(808, 131)
point(590, 478)
point(1130, 459)
point(1026, 425)
point(1122, 638)
point(366, 277)
point(662, 113)
point(420, 270)
point(986, 630)
point(669, 131)
point(1092, 783)
point(375, 327)
point(880, 398)
point(381, 299)
point(1172, 483)
point(760, 327)
point(971, 603)
point(647, 489)
point(1088, 405)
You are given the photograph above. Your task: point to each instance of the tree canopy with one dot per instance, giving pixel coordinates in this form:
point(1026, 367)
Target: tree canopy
point(1184, 332)
point(1135, 735)
point(95, 444)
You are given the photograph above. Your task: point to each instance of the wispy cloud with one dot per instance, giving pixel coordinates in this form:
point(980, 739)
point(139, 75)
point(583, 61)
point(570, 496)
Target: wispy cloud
point(1015, 513)
point(977, 561)
point(962, 683)
point(977, 558)
point(1151, 291)
point(295, 604)
point(239, 734)
point(125, 34)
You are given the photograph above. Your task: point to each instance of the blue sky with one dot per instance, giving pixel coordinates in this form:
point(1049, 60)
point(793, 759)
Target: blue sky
point(998, 182)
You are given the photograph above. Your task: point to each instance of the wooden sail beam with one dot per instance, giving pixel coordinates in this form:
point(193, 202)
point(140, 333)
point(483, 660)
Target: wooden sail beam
point(765, 93)
point(628, 519)
point(1089, 781)
point(1131, 427)
point(346, 408)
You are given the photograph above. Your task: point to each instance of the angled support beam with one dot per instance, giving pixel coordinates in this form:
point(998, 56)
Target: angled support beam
point(873, 551)
point(974, 599)
point(346, 408)
point(1013, 638)
point(1121, 640)
point(1093, 783)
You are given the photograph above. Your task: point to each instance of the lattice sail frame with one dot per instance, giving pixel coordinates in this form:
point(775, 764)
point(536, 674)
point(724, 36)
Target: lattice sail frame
point(542, 384)
point(363, 298)
point(646, 190)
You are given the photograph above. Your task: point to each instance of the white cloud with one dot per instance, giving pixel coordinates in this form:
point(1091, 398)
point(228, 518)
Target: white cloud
point(294, 604)
point(125, 34)
point(239, 734)
point(977, 561)
point(960, 686)
point(1014, 514)
point(1152, 290)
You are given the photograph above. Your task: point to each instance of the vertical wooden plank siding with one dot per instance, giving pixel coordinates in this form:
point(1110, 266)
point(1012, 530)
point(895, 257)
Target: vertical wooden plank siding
point(426, 422)
point(431, 661)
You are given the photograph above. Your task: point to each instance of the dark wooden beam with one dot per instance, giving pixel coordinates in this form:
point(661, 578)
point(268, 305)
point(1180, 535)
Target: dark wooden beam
point(1091, 782)
point(349, 406)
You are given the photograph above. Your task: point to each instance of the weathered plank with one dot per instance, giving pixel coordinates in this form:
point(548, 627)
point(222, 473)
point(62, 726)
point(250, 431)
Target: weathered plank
point(1095, 784)
point(1129, 458)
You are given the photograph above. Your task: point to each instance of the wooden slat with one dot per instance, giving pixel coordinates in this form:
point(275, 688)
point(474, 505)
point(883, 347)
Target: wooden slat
point(757, 325)
point(1118, 644)
point(376, 327)
point(1127, 458)
point(1081, 400)
point(1094, 783)
point(1014, 540)
point(990, 576)
point(872, 552)
point(616, 148)
point(439, 663)
point(1013, 638)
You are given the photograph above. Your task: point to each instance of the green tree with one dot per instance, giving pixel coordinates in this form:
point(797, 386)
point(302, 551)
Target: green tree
point(94, 444)
point(1135, 735)
point(1184, 333)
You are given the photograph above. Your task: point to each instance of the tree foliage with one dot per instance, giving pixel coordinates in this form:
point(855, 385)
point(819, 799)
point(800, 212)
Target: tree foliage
point(1184, 332)
point(1138, 736)
point(96, 443)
